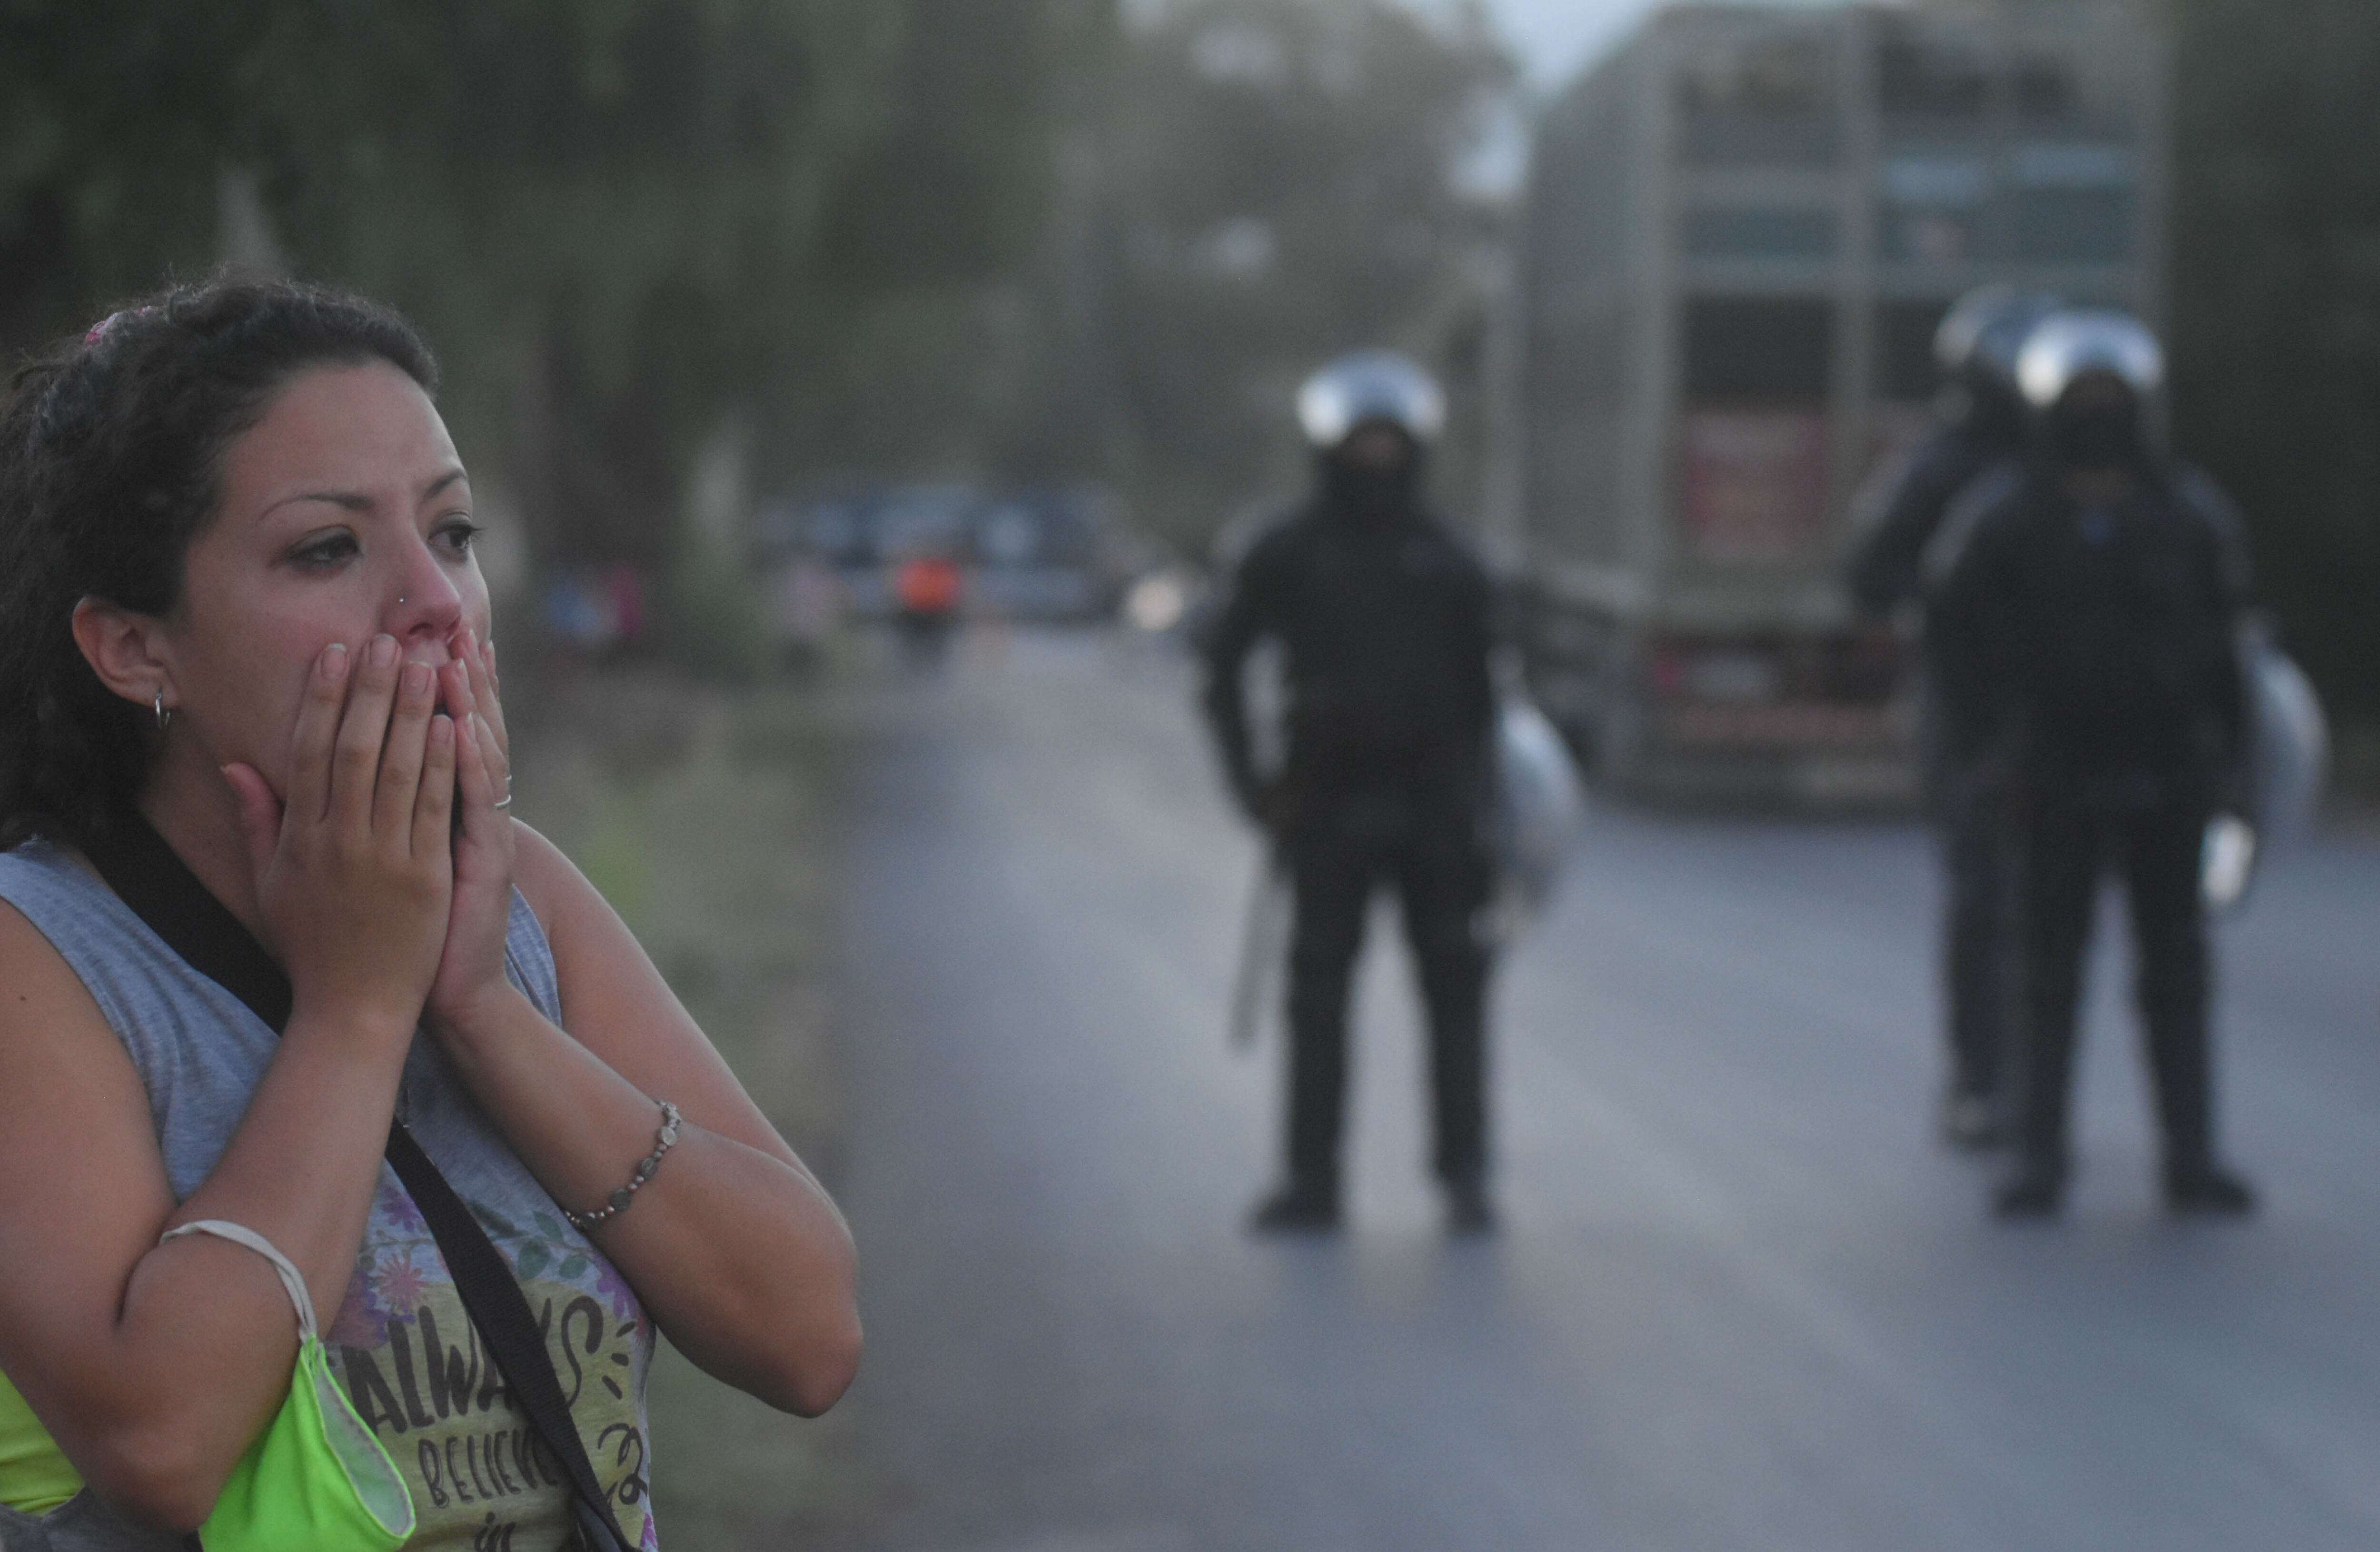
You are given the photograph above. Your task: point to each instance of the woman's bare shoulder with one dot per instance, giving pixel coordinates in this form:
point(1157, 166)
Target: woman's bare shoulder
point(606, 979)
point(549, 880)
point(38, 988)
point(58, 1051)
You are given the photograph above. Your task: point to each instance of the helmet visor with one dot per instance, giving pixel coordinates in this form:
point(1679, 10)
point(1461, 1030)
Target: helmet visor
point(2069, 346)
point(1370, 385)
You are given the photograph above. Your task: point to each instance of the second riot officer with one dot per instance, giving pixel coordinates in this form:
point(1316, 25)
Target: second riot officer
point(1983, 428)
point(1382, 616)
point(2087, 625)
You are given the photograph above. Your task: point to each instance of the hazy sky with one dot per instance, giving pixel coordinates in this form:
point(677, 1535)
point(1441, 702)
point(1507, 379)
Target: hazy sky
point(1554, 37)
point(1551, 37)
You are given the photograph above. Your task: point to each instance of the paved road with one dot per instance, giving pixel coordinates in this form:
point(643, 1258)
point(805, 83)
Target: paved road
point(1740, 1301)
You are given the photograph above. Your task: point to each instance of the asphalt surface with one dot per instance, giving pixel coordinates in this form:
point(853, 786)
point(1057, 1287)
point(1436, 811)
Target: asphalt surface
point(1741, 1298)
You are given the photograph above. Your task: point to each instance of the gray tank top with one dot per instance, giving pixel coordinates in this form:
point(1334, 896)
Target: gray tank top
point(410, 1360)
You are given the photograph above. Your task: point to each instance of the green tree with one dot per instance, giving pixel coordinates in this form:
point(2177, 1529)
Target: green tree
point(623, 223)
point(112, 139)
point(615, 208)
point(1283, 183)
point(957, 259)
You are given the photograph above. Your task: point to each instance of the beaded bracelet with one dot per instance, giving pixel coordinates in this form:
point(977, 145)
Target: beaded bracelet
point(644, 1172)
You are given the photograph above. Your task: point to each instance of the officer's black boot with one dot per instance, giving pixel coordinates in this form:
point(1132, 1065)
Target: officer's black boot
point(2210, 1189)
point(1303, 1204)
point(1469, 1209)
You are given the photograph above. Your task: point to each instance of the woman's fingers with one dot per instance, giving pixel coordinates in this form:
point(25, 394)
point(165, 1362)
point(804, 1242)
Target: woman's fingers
point(493, 756)
point(259, 816)
point(474, 780)
point(355, 765)
point(315, 733)
point(434, 803)
point(489, 691)
point(401, 755)
point(355, 891)
point(477, 658)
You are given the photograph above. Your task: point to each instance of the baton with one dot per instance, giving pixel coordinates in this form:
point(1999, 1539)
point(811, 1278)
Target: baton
point(1263, 942)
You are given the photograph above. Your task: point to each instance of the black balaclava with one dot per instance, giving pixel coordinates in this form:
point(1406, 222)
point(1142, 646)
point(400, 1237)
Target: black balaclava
point(1370, 493)
point(2098, 425)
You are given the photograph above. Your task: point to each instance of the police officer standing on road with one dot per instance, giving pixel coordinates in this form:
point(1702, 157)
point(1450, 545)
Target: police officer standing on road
point(2085, 630)
point(1384, 621)
point(1983, 427)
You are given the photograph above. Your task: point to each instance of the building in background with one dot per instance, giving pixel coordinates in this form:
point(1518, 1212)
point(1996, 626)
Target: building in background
point(1740, 228)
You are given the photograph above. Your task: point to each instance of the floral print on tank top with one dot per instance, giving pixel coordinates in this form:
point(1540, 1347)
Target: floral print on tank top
point(418, 1377)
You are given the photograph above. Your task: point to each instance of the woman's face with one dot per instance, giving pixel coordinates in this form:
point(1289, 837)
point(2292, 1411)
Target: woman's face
point(345, 517)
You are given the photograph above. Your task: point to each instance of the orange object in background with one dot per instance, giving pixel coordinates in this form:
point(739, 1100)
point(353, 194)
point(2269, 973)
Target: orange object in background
point(928, 584)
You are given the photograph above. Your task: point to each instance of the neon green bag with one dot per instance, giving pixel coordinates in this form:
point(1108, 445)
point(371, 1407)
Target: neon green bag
point(316, 1478)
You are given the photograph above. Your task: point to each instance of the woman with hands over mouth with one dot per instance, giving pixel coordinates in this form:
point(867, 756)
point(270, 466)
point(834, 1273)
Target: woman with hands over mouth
point(239, 607)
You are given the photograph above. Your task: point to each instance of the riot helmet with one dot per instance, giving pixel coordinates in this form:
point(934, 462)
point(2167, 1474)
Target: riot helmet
point(2096, 380)
point(1976, 346)
point(1366, 385)
point(1371, 417)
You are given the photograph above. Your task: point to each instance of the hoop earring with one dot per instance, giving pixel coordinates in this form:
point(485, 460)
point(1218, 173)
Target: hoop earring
point(164, 712)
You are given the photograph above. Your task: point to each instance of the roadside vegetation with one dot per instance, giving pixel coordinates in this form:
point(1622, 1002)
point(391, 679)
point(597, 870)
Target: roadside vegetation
point(713, 818)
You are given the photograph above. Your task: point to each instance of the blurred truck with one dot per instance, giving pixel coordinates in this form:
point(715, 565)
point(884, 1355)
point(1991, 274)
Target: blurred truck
point(1741, 229)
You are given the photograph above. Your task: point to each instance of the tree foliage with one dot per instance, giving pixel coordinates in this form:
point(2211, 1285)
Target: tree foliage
point(111, 138)
point(1283, 183)
point(621, 220)
point(955, 255)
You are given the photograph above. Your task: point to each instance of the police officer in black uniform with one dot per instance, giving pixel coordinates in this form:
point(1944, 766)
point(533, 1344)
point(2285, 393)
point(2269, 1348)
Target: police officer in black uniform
point(2086, 627)
point(1383, 617)
point(1983, 426)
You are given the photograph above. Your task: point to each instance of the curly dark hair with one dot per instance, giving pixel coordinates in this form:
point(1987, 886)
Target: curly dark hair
point(112, 448)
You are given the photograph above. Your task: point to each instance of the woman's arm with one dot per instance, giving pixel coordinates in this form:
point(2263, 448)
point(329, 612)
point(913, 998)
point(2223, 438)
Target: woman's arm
point(154, 1365)
point(735, 1248)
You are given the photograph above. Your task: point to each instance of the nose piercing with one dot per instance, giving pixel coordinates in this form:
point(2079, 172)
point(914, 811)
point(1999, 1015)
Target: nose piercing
point(400, 597)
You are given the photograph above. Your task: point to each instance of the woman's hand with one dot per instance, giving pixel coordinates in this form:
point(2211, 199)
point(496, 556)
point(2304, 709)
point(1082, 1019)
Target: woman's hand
point(472, 965)
point(353, 867)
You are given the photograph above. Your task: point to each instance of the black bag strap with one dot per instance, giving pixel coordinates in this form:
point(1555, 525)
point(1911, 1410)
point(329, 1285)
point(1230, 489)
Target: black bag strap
point(493, 1298)
point(148, 876)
